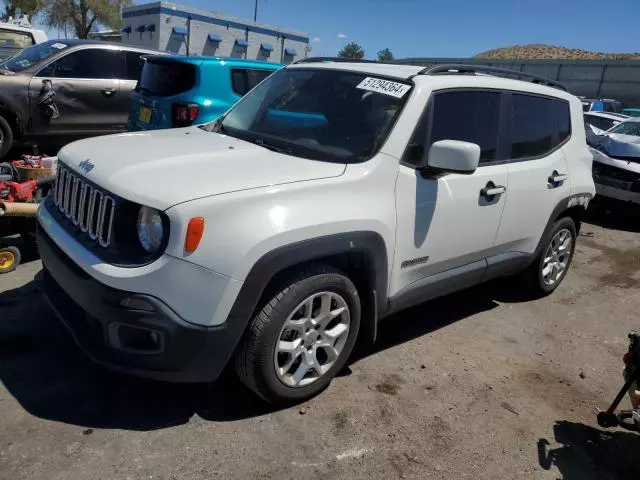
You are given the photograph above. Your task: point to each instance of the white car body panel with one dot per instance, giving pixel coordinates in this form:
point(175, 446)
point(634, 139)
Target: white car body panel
point(255, 201)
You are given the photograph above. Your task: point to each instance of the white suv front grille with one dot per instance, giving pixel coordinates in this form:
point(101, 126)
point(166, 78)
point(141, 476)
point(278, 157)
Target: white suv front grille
point(88, 208)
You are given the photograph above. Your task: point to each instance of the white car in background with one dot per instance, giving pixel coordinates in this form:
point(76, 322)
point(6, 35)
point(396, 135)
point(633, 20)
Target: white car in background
point(616, 166)
point(597, 123)
point(14, 38)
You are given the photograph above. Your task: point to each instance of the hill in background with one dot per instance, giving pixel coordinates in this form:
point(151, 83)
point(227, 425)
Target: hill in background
point(532, 52)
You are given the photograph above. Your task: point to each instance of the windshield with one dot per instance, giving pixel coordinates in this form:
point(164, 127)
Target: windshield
point(627, 128)
point(33, 55)
point(316, 113)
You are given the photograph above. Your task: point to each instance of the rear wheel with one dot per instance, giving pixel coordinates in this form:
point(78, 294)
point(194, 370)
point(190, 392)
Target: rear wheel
point(552, 264)
point(301, 338)
point(6, 137)
point(9, 259)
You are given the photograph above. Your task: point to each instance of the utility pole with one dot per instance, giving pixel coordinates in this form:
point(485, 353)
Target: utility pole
point(255, 12)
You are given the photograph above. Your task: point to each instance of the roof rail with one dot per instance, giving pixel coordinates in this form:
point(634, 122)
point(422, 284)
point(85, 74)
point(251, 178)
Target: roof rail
point(453, 69)
point(334, 59)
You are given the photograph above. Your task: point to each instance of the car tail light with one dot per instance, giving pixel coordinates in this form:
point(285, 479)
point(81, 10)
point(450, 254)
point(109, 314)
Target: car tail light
point(184, 114)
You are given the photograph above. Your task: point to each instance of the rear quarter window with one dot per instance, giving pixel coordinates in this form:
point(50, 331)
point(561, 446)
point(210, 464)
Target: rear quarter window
point(244, 79)
point(538, 125)
point(166, 78)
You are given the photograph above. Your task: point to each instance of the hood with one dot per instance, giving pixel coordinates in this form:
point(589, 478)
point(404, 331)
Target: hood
point(166, 167)
point(619, 145)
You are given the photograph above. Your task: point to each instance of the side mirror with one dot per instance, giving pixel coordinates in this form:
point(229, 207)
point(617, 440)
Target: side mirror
point(453, 156)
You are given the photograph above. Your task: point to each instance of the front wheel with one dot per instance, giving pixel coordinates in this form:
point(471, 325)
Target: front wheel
point(301, 338)
point(552, 264)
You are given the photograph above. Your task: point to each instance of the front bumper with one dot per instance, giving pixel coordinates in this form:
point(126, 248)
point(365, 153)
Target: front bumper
point(133, 333)
point(617, 193)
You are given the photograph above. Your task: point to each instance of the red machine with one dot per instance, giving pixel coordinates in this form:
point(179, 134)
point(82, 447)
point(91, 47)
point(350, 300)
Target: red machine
point(11, 191)
point(18, 206)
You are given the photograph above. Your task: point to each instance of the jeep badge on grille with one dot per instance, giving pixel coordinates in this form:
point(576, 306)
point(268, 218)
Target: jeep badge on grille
point(86, 165)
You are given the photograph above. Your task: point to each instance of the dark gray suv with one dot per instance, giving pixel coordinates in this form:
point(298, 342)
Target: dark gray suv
point(63, 90)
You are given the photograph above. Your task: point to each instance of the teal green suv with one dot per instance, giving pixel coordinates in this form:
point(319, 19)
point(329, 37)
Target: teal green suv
point(179, 91)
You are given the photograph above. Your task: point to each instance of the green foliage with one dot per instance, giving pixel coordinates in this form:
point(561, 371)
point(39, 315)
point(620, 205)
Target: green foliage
point(27, 7)
point(351, 50)
point(385, 55)
point(83, 15)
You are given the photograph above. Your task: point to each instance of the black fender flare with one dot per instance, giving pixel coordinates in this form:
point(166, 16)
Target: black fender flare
point(368, 243)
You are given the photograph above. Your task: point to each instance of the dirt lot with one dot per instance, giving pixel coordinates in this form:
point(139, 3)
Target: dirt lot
point(476, 385)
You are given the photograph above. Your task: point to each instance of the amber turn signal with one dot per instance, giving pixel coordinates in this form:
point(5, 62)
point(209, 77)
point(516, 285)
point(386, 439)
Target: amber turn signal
point(195, 230)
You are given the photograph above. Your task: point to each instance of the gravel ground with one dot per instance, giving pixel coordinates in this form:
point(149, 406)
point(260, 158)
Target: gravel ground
point(479, 384)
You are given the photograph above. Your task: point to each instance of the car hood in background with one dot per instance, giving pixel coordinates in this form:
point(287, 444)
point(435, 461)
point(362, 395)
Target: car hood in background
point(166, 167)
point(614, 162)
point(618, 145)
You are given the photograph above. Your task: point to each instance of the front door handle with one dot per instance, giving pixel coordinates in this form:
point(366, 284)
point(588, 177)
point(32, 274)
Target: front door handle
point(108, 92)
point(491, 190)
point(556, 178)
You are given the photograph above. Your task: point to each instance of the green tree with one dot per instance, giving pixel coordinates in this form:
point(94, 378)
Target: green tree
point(27, 7)
point(351, 50)
point(385, 55)
point(83, 15)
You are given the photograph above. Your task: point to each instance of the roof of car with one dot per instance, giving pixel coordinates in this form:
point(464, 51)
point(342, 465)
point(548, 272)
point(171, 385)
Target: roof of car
point(609, 115)
point(441, 80)
point(18, 28)
point(223, 60)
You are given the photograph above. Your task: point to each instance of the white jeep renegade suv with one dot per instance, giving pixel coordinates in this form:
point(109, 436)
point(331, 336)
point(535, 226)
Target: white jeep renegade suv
point(329, 197)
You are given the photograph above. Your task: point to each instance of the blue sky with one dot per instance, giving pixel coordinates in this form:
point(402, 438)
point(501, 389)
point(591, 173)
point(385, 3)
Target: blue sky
point(449, 28)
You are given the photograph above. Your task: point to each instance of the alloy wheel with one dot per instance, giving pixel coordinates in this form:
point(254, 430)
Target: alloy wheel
point(312, 339)
point(556, 258)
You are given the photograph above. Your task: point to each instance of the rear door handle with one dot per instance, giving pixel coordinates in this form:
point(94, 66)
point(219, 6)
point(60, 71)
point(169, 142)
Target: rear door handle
point(491, 190)
point(557, 178)
point(108, 92)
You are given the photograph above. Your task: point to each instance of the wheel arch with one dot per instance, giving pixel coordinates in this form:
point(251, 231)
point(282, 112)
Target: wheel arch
point(361, 255)
point(573, 207)
point(11, 117)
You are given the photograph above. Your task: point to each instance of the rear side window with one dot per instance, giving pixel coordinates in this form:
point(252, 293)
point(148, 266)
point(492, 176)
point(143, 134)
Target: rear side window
point(244, 79)
point(134, 64)
point(14, 39)
point(538, 125)
point(166, 78)
point(472, 116)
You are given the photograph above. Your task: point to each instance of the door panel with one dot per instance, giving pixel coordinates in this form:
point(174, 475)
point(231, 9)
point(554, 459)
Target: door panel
point(532, 198)
point(87, 94)
point(444, 223)
point(538, 172)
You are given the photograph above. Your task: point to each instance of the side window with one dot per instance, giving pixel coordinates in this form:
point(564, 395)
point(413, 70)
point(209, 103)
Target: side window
point(244, 79)
point(608, 106)
point(133, 65)
point(563, 120)
point(471, 116)
point(88, 63)
point(532, 126)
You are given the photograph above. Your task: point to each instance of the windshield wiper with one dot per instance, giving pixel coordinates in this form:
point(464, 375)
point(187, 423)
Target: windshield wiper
point(269, 146)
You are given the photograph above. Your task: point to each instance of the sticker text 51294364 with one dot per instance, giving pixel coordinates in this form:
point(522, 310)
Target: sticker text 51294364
point(387, 87)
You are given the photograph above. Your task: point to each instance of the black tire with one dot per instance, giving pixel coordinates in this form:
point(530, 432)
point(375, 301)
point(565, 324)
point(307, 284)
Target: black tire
point(6, 139)
point(10, 258)
point(533, 276)
point(254, 359)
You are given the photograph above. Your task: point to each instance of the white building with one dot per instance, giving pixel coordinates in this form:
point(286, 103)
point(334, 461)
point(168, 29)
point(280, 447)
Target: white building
point(179, 29)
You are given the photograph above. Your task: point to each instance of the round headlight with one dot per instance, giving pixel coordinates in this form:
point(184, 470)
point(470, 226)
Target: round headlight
point(150, 229)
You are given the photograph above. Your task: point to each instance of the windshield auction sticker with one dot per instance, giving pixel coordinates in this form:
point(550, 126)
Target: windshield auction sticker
point(59, 45)
point(386, 87)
